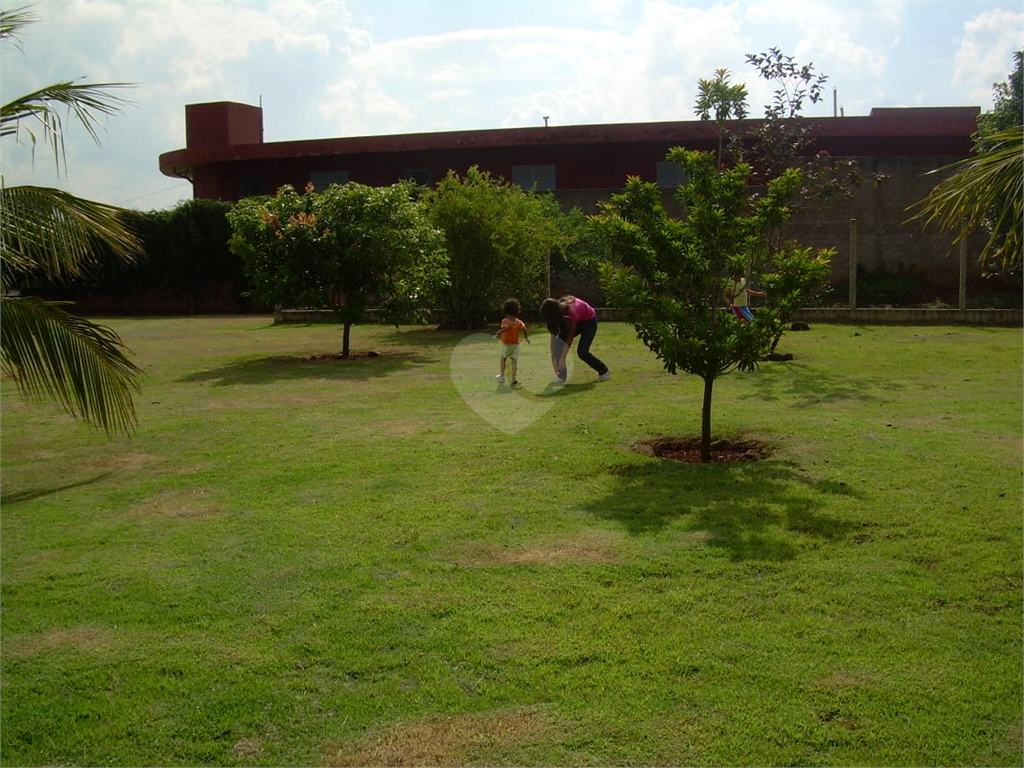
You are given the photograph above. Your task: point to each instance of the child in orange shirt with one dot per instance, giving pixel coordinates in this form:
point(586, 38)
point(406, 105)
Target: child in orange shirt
point(511, 325)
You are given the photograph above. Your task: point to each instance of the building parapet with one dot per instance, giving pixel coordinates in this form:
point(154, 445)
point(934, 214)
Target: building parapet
point(1008, 318)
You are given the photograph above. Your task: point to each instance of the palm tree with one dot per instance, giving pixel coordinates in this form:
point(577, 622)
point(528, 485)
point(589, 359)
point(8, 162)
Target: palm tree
point(985, 191)
point(49, 353)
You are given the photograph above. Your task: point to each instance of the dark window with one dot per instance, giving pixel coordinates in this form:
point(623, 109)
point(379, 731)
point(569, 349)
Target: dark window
point(254, 186)
point(421, 176)
point(321, 180)
point(534, 177)
point(671, 175)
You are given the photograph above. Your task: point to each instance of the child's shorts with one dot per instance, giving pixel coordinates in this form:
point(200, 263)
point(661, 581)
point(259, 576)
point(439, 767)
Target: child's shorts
point(743, 313)
point(510, 350)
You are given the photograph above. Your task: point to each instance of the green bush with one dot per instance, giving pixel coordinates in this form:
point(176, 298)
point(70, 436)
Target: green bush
point(184, 249)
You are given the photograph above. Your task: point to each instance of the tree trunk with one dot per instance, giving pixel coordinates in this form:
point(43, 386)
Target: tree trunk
point(344, 339)
point(705, 422)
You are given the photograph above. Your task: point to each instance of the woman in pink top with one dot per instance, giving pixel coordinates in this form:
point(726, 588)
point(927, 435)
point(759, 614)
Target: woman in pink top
point(568, 318)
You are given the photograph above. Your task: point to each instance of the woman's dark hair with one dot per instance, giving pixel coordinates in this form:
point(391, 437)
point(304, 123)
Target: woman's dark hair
point(552, 313)
point(512, 307)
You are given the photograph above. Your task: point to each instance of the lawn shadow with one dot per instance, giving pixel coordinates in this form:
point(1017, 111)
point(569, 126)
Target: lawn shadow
point(564, 390)
point(808, 387)
point(19, 496)
point(738, 507)
point(428, 337)
point(269, 370)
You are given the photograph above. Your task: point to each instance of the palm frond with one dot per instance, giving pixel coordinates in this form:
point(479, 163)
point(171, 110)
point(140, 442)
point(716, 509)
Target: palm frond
point(51, 231)
point(983, 191)
point(12, 20)
point(81, 366)
point(40, 110)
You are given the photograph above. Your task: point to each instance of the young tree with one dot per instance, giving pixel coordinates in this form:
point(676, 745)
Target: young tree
point(48, 352)
point(986, 191)
point(783, 141)
point(670, 273)
point(727, 101)
point(498, 239)
point(340, 249)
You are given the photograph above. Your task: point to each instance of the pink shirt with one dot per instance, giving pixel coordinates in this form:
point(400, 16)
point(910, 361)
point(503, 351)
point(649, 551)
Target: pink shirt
point(579, 311)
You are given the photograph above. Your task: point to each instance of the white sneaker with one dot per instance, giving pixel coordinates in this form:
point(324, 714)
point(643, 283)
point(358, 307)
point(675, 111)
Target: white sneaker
point(558, 380)
point(606, 375)
point(515, 382)
point(500, 378)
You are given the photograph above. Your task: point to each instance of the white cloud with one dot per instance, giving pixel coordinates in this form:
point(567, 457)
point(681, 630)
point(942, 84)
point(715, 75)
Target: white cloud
point(985, 55)
point(434, 65)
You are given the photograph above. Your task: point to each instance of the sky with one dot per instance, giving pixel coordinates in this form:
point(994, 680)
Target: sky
point(376, 67)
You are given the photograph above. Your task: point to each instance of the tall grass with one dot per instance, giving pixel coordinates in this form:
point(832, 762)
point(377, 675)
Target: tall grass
point(301, 560)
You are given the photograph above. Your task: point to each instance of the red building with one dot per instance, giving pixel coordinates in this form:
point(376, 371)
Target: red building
point(226, 158)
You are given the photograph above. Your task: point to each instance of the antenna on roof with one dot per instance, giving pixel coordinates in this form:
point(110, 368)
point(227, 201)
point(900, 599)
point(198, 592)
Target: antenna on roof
point(546, 118)
point(835, 108)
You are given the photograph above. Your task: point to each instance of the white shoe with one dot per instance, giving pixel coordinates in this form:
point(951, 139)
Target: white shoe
point(606, 375)
point(558, 380)
point(500, 378)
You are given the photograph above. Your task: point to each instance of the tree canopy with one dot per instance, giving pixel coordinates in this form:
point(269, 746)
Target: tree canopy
point(670, 274)
point(498, 238)
point(341, 249)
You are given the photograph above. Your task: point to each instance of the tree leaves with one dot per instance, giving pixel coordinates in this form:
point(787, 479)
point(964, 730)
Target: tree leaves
point(48, 352)
point(340, 249)
point(669, 274)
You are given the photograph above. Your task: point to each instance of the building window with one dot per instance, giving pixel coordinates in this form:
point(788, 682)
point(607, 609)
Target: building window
point(534, 177)
point(671, 175)
point(421, 176)
point(254, 186)
point(321, 180)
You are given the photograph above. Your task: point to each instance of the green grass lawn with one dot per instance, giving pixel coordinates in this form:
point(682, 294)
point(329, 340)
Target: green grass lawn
point(387, 560)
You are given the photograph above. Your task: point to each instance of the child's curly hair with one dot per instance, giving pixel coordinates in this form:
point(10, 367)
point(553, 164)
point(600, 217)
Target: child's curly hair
point(512, 307)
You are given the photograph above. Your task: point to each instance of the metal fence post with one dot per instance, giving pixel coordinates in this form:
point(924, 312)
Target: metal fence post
point(853, 263)
point(963, 273)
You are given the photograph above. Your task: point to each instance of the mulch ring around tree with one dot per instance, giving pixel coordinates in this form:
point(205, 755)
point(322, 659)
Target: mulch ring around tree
point(337, 356)
point(687, 450)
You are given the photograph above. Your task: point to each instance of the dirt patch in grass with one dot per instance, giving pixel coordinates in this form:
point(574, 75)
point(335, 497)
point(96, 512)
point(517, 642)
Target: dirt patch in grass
point(1015, 737)
point(449, 741)
point(127, 461)
point(687, 450)
point(183, 504)
point(77, 639)
point(839, 681)
point(360, 355)
point(597, 547)
point(402, 428)
point(570, 551)
point(246, 748)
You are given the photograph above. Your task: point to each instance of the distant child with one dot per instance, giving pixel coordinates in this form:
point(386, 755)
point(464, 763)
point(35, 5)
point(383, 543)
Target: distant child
point(511, 325)
point(736, 295)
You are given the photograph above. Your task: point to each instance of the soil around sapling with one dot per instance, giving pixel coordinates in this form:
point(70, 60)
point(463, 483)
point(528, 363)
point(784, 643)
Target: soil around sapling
point(687, 450)
point(361, 355)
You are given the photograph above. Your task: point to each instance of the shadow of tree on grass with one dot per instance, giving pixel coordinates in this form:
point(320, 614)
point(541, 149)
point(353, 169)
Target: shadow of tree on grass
point(808, 387)
point(748, 509)
point(269, 370)
point(428, 337)
point(15, 497)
